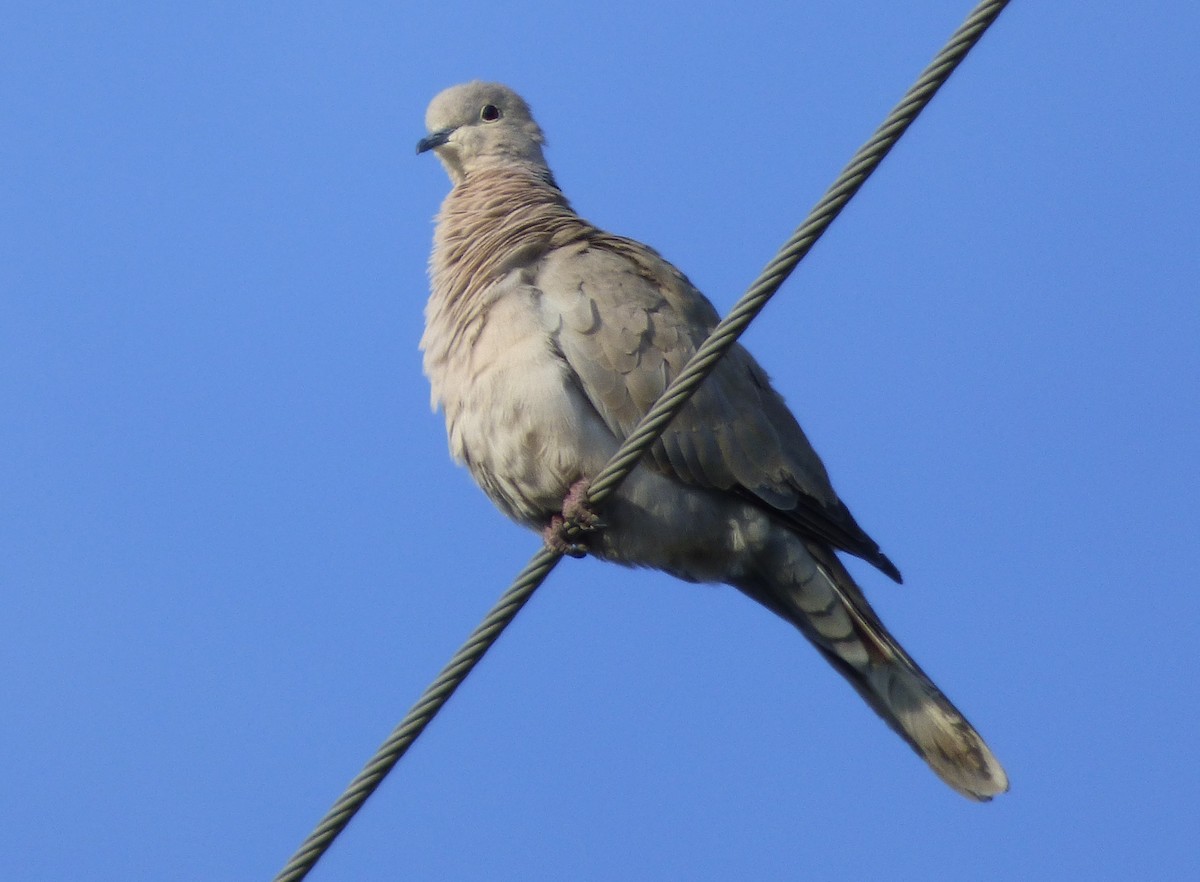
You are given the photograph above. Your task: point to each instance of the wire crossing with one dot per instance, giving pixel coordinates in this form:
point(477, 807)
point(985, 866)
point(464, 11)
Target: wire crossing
point(724, 335)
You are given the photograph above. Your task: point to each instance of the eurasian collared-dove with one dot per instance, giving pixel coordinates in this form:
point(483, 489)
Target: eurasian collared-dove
point(546, 339)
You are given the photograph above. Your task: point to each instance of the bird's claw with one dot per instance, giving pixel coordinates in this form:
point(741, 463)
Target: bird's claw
point(576, 510)
point(576, 516)
point(555, 536)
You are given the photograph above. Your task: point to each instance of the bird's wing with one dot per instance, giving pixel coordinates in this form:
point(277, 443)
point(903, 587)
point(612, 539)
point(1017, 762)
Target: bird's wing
point(627, 322)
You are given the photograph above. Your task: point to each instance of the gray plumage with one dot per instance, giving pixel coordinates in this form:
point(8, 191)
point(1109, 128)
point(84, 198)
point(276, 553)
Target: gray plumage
point(546, 340)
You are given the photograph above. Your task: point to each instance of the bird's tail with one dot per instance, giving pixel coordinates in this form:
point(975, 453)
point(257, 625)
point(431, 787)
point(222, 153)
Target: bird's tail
point(830, 609)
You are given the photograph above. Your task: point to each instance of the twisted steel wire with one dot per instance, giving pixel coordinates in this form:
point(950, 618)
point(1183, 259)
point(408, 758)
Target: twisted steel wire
point(724, 335)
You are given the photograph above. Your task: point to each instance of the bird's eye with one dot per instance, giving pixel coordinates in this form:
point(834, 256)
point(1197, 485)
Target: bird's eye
point(489, 113)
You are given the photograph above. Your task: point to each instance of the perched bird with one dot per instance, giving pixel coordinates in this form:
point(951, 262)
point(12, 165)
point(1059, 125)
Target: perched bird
point(546, 339)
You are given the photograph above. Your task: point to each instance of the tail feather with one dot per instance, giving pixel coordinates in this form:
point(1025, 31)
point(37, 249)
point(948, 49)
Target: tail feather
point(830, 609)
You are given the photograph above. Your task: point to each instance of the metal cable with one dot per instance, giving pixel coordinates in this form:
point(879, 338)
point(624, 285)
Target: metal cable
point(724, 335)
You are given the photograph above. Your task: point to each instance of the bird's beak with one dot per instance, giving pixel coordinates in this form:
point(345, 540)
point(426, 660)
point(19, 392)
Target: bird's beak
point(435, 139)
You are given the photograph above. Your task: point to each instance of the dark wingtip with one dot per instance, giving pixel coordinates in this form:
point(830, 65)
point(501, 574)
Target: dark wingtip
point(888, 568)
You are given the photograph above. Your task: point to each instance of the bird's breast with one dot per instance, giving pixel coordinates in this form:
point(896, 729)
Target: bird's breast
point(514, 416)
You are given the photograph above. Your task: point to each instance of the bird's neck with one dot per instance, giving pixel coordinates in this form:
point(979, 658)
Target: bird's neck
point(495, 219)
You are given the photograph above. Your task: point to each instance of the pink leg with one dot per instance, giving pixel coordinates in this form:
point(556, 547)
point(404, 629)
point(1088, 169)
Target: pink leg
point(575, 512)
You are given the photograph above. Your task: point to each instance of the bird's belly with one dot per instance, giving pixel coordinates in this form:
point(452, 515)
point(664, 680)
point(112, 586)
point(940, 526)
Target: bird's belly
point(524, 431)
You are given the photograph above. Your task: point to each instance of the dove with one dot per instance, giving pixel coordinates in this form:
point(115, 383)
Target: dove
point(546, 339)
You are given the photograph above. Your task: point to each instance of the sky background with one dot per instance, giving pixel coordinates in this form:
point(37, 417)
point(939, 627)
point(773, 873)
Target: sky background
point(233, 548)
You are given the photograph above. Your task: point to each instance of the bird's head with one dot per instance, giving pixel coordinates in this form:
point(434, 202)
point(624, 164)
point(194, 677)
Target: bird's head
point(478, 125)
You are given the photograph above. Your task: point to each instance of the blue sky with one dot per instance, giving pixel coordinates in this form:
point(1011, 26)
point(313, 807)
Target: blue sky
point(233, 549)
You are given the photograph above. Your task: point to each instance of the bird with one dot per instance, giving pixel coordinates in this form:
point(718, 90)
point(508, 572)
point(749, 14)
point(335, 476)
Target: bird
point(546, 339)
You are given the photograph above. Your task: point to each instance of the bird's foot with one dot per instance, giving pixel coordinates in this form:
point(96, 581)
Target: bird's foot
point(576, 509)
point(555, 536)
point(575, 514)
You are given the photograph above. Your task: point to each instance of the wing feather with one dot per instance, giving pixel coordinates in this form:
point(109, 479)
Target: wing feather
point(627, 322)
